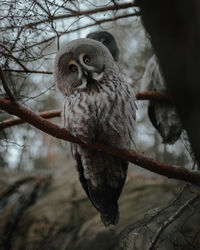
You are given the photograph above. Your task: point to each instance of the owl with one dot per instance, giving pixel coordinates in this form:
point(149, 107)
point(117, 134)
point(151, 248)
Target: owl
point(162, 115)
point(99, 106)
point(108, 40)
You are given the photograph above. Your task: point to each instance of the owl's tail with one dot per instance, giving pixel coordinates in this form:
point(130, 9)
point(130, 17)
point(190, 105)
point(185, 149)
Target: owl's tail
point(106, 202)
point(103, 187)
point(110, 217)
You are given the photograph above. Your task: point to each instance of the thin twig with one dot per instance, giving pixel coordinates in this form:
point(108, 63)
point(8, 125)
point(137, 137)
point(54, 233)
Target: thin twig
point(5, 86)
point(139, 159)
point(171, 219)
point(76, 13)
point(45, 114)
point(16, 60)
point(98, 22)
point(13, 57)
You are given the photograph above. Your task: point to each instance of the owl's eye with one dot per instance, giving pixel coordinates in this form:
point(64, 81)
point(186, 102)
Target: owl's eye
point(86, 59)
point(73, 68)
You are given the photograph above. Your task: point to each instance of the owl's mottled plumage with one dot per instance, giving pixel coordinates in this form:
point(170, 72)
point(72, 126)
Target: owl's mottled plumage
point(162, 115)
point(99, 106)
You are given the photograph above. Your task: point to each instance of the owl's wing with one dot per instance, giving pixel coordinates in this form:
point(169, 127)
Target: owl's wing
point(187, 145)
point(162, 115)
point(165, 119)
point(103, 188)
point(79, 167)
point(152, 78)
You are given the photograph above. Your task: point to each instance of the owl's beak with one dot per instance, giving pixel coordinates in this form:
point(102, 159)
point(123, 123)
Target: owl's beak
point(84, 78)
point(85, 73)
point(91, 77)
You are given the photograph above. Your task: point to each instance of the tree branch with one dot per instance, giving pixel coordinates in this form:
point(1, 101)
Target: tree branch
point(45, 114)
point(153, 95)
point(67, 31)
point(139, 159)
point(148, 95)
point(29, 71)
point(76, 13)
point(13, 57)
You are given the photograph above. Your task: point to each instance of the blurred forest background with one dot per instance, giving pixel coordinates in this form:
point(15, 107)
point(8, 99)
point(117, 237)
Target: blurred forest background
point(31, 33)
point(23, 148)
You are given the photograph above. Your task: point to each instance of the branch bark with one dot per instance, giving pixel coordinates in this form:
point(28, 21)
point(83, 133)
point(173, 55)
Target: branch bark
point(153, 95)
point(148, 95)
point(45, 114)
point(29, 71)
point(129, 155)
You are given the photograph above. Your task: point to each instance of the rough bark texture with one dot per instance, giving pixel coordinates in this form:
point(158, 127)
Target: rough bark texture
point(174, 30)
point(52, 212)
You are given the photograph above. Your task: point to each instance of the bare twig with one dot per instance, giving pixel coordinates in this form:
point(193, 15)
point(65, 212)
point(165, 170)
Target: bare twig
point(139, 159)
point(76, 13)
point(98, 22)
point(171, 219)
point(5, 86)
point(13, 57)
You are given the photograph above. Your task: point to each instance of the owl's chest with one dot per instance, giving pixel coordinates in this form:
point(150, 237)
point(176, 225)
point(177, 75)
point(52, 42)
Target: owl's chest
point(90, 108)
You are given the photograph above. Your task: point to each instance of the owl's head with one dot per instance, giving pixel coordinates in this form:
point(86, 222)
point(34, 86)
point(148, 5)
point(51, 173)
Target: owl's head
point(81, 63)
point(108, 40)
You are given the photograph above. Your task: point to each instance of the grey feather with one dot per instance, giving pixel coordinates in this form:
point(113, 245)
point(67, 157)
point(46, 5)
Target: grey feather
point(100, 108)
point(108, 40)
point(163, 115)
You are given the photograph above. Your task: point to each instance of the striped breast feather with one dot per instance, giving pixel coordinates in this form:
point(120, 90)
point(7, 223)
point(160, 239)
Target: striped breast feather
point(125, 111)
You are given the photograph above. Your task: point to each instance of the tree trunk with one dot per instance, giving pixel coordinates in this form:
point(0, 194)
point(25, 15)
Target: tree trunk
point(174, 30)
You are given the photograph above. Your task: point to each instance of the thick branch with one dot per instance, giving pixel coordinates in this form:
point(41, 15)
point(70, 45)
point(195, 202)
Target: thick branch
point(129, 155)
point(29, 71)
point(153, 95)
point(148, 95)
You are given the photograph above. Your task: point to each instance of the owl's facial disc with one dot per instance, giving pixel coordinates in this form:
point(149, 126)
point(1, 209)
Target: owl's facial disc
point(90, 71)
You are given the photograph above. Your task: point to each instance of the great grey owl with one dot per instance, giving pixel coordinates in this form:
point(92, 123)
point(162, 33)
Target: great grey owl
point(108, 40)
point(99, 106)
point(162, 115)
